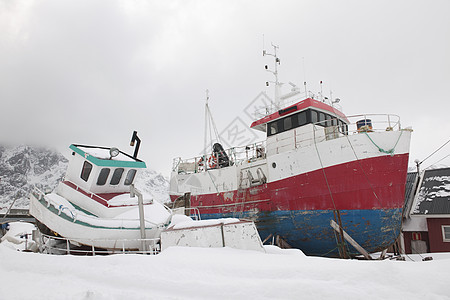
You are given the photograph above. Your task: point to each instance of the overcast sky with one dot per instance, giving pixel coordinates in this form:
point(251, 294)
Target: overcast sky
point(91, 72)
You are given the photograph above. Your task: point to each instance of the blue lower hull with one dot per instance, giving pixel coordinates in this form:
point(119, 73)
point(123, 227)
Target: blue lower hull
point(311, 232)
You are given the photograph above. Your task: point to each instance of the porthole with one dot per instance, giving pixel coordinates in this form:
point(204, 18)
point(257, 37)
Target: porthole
point(274, 165)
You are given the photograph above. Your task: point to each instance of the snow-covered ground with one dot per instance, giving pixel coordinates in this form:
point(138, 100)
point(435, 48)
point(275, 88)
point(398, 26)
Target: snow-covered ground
point(219, 273)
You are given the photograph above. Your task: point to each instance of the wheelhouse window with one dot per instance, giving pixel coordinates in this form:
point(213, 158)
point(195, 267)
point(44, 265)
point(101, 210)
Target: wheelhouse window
point(328, 120)
point(322, 118)
point(130, 177)
point(103, 176)
point(302, 118)
point(117, 175)
point(86, 171)
point(273, 128)
point(446, 233)
point(287, 123)
point(314, 116)
point(305, 117)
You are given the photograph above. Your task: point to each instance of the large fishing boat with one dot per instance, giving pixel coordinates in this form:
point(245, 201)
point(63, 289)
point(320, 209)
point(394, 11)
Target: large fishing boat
point(316, 165)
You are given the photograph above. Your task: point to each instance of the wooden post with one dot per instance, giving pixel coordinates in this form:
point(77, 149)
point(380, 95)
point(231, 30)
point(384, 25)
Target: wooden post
point(340, 236)
point(223, 235)
point(187, 203)
point(350, 240)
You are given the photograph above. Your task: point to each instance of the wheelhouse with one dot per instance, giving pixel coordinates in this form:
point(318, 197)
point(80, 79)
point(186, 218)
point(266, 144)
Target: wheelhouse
point(308, 111)
point(101, 169)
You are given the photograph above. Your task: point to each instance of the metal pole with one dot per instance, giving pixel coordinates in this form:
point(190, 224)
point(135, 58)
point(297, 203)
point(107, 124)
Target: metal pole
point(134, 192)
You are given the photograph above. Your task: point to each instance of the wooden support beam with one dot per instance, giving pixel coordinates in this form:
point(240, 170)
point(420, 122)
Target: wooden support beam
point(340, 237)
point(349, 239)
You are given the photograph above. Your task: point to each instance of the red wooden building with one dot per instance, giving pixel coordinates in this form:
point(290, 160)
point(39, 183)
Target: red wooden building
point(426, 222)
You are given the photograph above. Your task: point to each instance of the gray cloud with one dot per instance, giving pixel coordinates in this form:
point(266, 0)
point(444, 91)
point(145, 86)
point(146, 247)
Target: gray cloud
point(93, 71)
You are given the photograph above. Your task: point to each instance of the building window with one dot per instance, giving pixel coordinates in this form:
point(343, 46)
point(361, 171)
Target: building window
point(103, 176)
point(130, 177)
point(117, 175)
point(446, 233)
point(86, 171)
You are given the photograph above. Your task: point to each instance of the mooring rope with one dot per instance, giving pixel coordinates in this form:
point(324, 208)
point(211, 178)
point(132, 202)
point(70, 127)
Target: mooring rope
point(390, 151)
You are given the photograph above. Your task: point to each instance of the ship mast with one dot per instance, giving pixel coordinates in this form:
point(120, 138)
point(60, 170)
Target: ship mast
point(275, 72)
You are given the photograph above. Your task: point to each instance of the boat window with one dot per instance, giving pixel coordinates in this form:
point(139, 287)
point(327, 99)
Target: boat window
point(117, 175)
point(328, 120)
point(314, 116)
point(103, 176)
point(305, 117)
point(287, 123)
point(86, 171)
point(273, 128)
point(130, 177)
point(321, 119)
point(343, 127)
point(302, 120)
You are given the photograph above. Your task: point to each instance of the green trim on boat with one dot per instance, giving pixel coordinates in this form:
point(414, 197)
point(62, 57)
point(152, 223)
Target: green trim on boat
point(54, 210)
point(108, 162)
point(82, 209)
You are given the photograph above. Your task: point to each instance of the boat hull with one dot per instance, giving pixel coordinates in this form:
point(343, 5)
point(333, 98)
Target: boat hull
point(368, 193)
point(97, 232)
point(310, 230)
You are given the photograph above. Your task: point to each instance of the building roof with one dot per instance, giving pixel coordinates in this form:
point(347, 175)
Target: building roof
point(410, 189)
point(433, 197)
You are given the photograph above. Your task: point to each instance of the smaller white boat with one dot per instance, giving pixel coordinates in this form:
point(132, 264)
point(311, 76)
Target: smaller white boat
point(97, 205)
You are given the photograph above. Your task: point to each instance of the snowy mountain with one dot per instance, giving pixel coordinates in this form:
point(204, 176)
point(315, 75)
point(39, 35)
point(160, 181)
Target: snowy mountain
point(23, 167)
point(150, 182)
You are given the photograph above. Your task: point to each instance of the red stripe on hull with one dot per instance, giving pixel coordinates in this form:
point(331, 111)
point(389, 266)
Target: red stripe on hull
point(374, 183)
point(100, 198)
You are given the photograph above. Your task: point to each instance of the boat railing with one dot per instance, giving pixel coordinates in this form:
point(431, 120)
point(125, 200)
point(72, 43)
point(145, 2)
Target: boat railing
point(332, 129)
point(236, 156)
point(63, 246)
point(374, 123)
point(298, 137)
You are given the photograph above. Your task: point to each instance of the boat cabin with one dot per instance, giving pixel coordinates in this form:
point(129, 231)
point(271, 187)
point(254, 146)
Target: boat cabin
point(102, 169)
point(308, 111)
point(301, 124)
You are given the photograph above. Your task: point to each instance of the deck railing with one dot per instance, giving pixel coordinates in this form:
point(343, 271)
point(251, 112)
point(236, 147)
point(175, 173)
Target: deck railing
point(63, 246)
point(295, 138)
point(236, 155)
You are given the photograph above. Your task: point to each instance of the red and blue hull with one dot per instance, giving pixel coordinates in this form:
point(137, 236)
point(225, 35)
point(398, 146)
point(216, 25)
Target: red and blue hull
point(368, 193)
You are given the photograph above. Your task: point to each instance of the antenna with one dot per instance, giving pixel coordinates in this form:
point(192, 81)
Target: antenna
point(264, 45)
point(321, 94)
point(304, 75)
point(206, 123)
point(275, 72)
